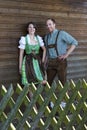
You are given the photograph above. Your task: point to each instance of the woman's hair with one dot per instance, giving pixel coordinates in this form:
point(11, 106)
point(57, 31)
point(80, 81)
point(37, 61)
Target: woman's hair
point(53, 20)
point(34, 24)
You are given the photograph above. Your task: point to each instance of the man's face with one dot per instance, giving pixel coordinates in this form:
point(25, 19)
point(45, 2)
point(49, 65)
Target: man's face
point(50, 25)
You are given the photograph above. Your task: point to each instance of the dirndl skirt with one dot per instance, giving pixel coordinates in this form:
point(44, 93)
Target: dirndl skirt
point(32, 69)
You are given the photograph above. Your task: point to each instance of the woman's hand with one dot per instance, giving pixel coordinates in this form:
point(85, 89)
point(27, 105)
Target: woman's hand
point(20, 71)
point(43, 60)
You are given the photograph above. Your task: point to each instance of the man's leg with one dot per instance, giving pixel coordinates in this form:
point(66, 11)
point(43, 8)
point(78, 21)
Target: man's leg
point(51, 73)
point(62, 71)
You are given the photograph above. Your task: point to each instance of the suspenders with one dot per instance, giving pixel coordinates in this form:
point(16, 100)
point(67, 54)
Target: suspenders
point(52, 45)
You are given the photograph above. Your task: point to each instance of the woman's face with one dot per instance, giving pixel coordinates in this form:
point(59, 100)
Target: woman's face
point(31, 29)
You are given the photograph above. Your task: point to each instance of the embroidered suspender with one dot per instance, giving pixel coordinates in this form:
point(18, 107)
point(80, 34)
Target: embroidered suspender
point(52, 45)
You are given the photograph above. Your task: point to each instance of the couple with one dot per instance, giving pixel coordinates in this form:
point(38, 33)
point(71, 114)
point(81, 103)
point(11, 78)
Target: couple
point(31, 66)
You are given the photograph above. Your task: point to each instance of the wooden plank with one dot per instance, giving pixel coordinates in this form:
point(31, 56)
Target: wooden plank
point(14, 110)
point(30, 106)
point(5, 99)
point(70, 16)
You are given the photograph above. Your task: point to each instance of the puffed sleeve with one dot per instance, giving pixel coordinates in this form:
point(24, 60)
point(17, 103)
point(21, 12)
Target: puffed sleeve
point(40, 41)
point(22, 43)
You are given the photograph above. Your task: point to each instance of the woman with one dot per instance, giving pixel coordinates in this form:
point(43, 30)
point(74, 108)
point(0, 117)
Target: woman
point(30, 65)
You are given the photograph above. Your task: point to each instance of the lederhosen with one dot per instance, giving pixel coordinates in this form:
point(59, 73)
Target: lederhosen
point(55, 64)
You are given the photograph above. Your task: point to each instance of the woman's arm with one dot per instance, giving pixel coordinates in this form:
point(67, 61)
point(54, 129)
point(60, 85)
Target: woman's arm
point(44, 53)
point(21, 53)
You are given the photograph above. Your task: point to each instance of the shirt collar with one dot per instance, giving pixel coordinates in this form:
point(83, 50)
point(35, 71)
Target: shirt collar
point(54, 31)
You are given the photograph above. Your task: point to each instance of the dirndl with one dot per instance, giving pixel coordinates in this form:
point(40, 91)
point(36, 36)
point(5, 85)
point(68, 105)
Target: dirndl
point(32, 69)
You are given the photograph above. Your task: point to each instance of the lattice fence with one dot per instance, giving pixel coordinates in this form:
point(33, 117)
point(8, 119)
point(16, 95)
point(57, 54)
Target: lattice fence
point(18, 112)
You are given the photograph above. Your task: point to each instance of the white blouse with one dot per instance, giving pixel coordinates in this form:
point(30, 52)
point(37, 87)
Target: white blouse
point(22, 41)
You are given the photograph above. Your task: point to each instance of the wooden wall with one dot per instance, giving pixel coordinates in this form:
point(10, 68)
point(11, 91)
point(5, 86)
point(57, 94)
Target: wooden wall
point(70, 16)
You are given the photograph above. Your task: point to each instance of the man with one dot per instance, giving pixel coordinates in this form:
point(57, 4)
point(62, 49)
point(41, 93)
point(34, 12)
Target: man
point(56, 42)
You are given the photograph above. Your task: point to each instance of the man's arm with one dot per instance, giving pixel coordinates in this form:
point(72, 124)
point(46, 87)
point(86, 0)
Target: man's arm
point(68, 39)
point(70, 50)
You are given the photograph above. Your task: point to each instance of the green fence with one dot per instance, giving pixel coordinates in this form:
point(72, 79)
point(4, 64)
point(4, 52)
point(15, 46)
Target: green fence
point(18, 112)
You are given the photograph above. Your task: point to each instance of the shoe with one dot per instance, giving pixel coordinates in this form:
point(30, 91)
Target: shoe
point(51, 105)
point(63, 104)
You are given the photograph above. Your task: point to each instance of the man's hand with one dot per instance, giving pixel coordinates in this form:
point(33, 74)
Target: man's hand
point(63, 57)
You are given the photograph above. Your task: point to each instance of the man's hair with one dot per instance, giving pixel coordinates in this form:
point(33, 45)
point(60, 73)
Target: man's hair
point(53, 20)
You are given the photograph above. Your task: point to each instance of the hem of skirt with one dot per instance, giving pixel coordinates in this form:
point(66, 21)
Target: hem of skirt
point(27, 84)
